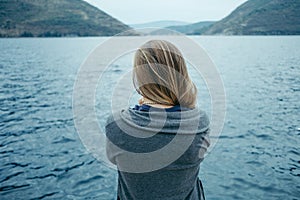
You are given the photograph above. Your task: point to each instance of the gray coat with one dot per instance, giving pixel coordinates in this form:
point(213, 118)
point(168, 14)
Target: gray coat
point(158, 153)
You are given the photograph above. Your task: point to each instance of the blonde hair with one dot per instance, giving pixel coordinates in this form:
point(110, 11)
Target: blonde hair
point(160, 75)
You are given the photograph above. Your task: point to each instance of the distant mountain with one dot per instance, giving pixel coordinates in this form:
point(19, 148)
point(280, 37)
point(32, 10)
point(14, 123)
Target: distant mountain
point(261, 17)
point(48, 18)
point(159, 24)
point(192, 29)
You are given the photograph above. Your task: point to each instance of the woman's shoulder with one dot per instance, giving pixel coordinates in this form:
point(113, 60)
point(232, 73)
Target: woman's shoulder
point(169, 121)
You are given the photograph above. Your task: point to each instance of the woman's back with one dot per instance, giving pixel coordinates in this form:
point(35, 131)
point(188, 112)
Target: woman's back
point(158, 148)
point(175, 180)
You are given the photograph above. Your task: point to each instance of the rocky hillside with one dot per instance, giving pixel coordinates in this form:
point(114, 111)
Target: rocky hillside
point(55, 18)
point(261, 17)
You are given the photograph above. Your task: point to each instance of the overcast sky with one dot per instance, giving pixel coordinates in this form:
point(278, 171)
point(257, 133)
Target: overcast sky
point(141, 11)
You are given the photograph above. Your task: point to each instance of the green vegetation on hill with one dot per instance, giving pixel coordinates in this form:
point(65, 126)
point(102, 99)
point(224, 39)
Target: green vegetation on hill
point(55, 18)
point(261, 17)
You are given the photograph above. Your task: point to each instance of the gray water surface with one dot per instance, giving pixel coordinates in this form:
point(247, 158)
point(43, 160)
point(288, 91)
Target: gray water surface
point(257, 155)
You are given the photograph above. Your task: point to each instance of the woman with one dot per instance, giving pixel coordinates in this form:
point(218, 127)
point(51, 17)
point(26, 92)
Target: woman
point(158, 145)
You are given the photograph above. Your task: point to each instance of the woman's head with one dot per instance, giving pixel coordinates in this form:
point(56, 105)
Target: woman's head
point(160, 75)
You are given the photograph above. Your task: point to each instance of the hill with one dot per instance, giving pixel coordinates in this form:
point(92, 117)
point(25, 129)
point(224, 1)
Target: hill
point(55, 18)
point(261, 17)
point(192, 29)
point(159, 24)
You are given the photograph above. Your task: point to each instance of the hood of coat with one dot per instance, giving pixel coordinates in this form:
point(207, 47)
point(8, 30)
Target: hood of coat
point(146, 124)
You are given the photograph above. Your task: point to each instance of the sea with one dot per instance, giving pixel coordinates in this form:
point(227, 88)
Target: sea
point(256, 156)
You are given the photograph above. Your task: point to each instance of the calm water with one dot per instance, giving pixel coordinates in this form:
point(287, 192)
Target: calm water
point(256, 157)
